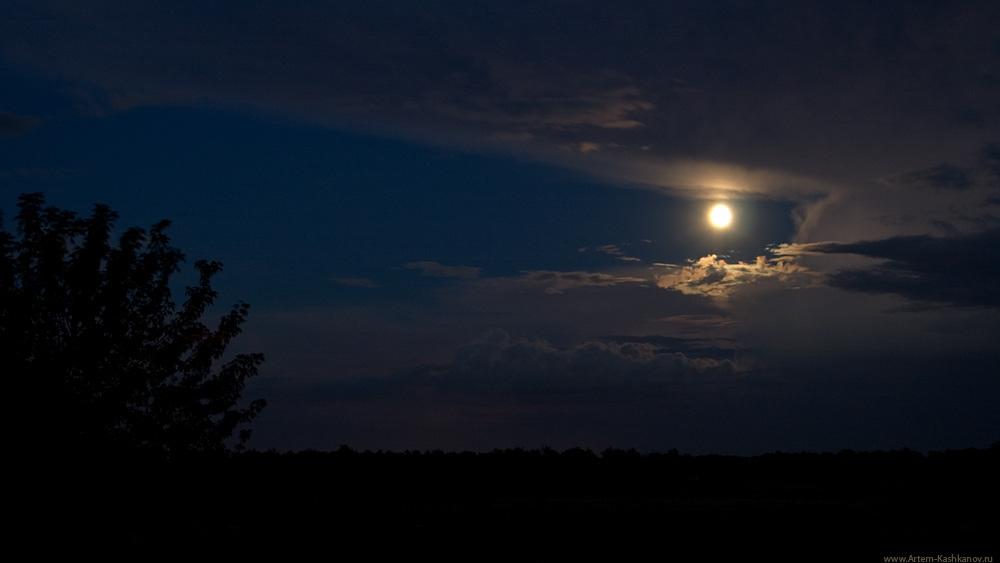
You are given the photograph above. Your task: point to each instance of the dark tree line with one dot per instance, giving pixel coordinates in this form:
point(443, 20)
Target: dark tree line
point(97, 352)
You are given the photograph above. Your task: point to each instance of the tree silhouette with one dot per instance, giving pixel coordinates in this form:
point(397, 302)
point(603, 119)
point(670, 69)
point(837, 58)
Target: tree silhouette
point(93, 341)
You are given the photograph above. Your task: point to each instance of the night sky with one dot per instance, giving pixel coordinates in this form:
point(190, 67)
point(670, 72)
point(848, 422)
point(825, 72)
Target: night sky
point(469, 225)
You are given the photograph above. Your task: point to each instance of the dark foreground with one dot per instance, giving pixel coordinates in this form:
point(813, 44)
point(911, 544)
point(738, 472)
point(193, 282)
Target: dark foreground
point(525, 505)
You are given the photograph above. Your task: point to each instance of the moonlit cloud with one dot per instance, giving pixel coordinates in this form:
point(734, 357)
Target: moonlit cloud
point(715, 277)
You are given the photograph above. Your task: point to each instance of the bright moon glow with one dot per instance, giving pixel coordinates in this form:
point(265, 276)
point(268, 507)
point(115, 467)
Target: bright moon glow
point(720, 216)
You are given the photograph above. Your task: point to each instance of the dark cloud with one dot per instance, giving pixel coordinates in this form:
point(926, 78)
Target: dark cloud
point(474, 402)
point(990, 159)
point(498, 362)
point(564, 308)
point(982, 171)
point(12, 124)
point(630, 86)
point(944, 176)
point(717, 348)
point(960, 270)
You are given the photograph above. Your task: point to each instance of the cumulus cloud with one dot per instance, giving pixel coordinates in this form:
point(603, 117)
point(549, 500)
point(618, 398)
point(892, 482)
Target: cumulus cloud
point(715, 346)
point(438, 270)
point(715, 277)
point(705, 326)
point(498, 361)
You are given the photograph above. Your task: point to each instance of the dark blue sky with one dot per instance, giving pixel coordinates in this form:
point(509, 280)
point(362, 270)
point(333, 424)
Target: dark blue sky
point(471, 227)
point(292, 206)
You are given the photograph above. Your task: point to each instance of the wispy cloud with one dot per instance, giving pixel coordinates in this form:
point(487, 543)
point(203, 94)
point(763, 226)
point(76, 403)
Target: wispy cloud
point(554, 282)
point(438, 270)
point(355, 282)
point(610, 249)
point(533, 104)
point(614, 250)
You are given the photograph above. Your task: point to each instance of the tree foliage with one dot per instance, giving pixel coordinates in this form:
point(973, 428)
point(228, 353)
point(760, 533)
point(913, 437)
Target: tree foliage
point(103, 357)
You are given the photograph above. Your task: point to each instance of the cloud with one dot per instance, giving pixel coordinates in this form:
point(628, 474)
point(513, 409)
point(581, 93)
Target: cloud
point(438, 270)
point(499, 362)
point(943, 177)
point(532, 102)
point(355, 282)
point(708, 106)
point(944, 199)
point(717, 346)
point(959, 270)
point(613, 250)
point(554, 282)
point(348, 338)
point(12, 124)
point(714, 277)
point(989, 158)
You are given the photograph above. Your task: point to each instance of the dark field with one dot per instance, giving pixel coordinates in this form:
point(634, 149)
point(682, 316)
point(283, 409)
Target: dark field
point(531, 505)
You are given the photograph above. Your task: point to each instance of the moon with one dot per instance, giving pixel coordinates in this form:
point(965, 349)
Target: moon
point(720, 216)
